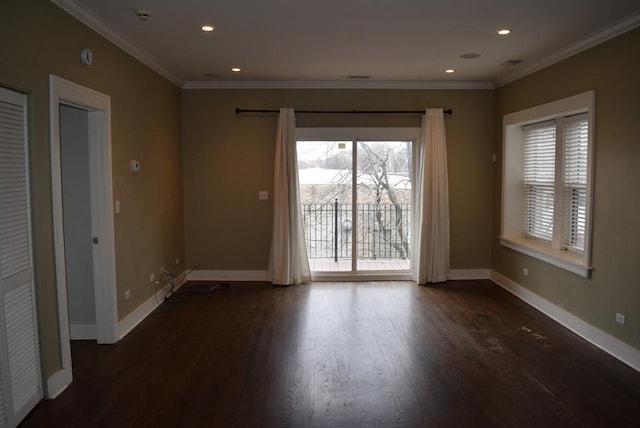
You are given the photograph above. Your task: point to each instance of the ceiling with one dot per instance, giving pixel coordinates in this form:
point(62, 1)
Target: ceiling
point(397, 43)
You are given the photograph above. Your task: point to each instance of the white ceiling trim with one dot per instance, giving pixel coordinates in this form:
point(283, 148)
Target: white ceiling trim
point(85, 16)
point(338, 84)
point(627, 24)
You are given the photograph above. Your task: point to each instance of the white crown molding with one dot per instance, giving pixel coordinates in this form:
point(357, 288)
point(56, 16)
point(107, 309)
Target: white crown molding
point(627, 24)
point(338, 84)
point(84, 15)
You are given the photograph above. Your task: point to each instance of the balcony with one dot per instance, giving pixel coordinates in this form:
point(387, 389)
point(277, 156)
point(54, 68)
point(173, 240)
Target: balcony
point(382, 233)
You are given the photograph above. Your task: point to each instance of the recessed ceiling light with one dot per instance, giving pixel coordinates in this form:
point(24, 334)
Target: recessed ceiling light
point(236, 69)
point(208, 28)
point(503, 32)
point(449, 70)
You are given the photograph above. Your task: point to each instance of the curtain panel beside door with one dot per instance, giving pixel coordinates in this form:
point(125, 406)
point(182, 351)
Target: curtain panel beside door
point(432, 201)
point(288, 262)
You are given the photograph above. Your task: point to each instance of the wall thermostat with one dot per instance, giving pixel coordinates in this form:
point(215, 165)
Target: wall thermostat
point(134, 166)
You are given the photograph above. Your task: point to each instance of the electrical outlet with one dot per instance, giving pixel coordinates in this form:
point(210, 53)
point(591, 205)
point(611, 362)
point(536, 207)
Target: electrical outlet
point(127, 294)
point(621, 319)
point(152, 277)
point(177, 260)
point(525, 271)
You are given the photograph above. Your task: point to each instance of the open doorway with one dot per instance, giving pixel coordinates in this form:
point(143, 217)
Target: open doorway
point(82, 114)
point(76, 219)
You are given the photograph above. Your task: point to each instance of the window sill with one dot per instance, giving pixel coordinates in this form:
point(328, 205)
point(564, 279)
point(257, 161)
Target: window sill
point(566, 260)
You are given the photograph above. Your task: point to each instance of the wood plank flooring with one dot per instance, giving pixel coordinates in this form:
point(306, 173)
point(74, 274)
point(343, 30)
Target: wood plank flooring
point(386, 354)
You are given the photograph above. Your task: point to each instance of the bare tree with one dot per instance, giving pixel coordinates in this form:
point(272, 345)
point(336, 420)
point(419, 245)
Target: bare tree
point(377, 162)
point(383, 180)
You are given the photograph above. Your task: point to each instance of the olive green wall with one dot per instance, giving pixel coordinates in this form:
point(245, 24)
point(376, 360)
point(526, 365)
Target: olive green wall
point(612, 69)
point(228, 158)
point(225, 159)
point(37, 39)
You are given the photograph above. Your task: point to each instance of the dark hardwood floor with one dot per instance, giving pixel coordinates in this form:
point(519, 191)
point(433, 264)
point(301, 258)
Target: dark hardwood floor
point(386, 354)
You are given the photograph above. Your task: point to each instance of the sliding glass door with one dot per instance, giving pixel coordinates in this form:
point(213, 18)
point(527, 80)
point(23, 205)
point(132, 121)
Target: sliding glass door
point(357, 204)
point(383, 208)
point(326, 193)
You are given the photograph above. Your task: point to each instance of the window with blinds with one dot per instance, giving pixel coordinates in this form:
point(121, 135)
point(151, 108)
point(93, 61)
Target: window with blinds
point(539, 179)
point(547, 180)
point(567, 138)
point(575, 163)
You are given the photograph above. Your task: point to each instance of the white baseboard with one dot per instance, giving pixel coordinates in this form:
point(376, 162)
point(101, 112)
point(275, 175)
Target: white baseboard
point(261, 275)
point(58, 382)
point(611, 345)
point(143, 311)
point(457, 274)
point(228, 275)
point(83, 331)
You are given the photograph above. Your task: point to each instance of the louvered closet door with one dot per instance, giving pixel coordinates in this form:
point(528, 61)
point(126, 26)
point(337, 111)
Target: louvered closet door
point(19, 355)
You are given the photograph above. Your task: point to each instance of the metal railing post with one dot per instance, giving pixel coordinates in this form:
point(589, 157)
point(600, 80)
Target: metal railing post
point(335, 231)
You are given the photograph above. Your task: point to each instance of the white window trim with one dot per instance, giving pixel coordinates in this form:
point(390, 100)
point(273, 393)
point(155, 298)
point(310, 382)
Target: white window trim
point(511, 226)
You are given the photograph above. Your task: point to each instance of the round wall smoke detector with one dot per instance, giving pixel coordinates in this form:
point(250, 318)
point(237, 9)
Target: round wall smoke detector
point(143, 14)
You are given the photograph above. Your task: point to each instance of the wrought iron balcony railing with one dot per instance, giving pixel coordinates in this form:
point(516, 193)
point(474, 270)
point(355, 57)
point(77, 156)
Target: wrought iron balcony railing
point(382, 231)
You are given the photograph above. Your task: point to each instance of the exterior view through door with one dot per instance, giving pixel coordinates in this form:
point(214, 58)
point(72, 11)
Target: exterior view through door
point(356, 222)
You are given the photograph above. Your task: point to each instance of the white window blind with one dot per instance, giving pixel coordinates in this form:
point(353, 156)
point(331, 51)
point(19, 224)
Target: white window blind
point(539, 179)
point(575, 158)
point(547, 182)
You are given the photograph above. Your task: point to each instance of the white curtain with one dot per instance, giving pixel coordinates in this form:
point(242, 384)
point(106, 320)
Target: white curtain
point(432, 200)
point(288, 262)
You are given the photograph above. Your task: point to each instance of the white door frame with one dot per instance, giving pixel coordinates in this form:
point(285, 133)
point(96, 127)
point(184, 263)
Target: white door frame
point(98, 107)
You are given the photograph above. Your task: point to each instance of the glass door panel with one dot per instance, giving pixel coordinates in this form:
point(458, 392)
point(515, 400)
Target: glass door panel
point(383, 209)
point(367, 229)
point(326, 194)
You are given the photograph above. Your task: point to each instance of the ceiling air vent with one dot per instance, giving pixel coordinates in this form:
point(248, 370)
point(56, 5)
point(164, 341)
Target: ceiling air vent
point(511, 62)
point(358, 77)
point(143, 14)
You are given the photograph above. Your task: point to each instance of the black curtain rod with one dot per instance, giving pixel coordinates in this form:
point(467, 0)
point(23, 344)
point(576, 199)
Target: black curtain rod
point(242, 110)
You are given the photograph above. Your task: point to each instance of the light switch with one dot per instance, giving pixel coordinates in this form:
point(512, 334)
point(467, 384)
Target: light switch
point(263, 195)
point(117, 207)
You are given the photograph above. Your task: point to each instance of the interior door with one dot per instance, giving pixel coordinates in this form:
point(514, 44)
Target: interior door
point(19, 353)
